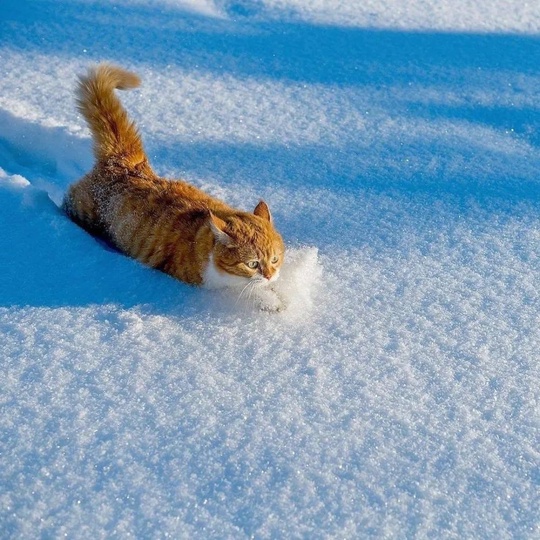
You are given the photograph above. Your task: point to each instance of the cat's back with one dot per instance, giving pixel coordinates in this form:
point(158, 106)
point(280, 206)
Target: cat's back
point(149, 218)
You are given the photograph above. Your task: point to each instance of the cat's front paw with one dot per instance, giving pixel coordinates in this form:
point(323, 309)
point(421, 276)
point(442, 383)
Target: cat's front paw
point(269, 301)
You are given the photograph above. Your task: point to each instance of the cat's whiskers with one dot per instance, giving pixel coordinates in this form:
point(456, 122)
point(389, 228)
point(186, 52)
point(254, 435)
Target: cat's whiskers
point(249, 286)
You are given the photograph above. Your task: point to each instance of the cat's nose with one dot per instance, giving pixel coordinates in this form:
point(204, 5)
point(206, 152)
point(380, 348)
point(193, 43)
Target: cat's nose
point(267, 273)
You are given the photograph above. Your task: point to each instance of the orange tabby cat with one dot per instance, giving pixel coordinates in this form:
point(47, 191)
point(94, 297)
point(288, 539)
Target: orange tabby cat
point(169, 225)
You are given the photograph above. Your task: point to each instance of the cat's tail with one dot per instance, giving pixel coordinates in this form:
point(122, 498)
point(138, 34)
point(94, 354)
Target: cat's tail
point(115, 135)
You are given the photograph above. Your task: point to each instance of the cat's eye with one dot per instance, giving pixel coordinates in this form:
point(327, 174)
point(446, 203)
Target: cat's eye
point(253, 264)
point(274, 259)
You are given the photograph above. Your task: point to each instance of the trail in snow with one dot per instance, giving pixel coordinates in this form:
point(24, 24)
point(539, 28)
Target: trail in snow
point(397, 396)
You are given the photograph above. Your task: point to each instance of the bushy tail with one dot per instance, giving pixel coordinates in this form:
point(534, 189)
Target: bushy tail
point(115, 135)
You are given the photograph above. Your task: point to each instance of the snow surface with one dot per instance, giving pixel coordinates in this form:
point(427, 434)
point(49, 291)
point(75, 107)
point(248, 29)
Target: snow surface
point(398, 146)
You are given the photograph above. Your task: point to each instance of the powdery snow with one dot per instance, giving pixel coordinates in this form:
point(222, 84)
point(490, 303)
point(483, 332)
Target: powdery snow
point(457, 15)
point(397, 396)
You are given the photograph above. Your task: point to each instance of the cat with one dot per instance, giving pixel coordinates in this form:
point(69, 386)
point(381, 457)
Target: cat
point(169, 225)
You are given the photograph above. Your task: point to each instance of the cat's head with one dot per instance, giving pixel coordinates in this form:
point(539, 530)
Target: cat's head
point(247, 246)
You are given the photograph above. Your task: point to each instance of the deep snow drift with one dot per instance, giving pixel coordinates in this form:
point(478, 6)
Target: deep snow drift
point(398, 396)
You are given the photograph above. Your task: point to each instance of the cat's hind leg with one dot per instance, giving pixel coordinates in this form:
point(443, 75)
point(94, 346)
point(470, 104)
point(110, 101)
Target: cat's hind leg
point(79, 204)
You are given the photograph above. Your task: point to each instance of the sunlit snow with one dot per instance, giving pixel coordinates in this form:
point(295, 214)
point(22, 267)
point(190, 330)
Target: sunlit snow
point(397, 395)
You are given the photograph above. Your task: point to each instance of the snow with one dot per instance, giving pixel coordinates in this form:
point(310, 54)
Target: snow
point(463, 15)
point(397, 396)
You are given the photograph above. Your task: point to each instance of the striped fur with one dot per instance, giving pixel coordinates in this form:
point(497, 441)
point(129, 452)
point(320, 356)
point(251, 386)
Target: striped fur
point(169, 225)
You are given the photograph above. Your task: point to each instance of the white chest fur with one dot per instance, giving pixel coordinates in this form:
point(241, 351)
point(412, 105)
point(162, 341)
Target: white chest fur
point(265, 298)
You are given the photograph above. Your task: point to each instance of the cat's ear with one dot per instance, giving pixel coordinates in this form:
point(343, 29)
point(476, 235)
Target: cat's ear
point(217, 226)
point(263, 211)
